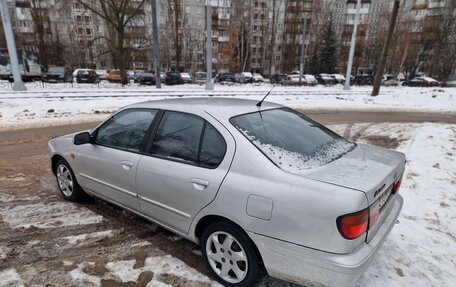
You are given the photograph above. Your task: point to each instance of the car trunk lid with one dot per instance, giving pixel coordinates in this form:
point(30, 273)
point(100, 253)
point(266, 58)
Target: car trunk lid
point(368, 169)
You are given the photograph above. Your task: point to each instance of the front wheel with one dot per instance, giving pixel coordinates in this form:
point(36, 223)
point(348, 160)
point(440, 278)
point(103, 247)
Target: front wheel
point(231, 256)
point(67, 183)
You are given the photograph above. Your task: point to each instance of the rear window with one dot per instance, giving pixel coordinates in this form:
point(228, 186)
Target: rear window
point(290, 140)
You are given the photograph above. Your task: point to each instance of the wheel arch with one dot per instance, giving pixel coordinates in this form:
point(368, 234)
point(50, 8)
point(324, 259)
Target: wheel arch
point(54, 160)
point(207, 220)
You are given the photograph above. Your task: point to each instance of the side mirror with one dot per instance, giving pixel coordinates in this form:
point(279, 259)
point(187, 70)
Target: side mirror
point(82, 138)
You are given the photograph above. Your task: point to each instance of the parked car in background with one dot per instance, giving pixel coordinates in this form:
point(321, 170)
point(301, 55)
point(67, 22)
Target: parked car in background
point(340, 79)
point(390, 81)
point(226, 78)
point(173, 78)
point(147, 78)
point(187, 78)
point(239, 78)
point(114, 76)
point(258, 78)
point(278, 78)
point(262, 189)
point(58, 75)
point(102, 74)
point(200, 78)
point(421, 82)
point(87, 76)
point(248, 77)
point(136, 76)
point(362, 80)
point(293, 80)
point(310, 80)
point(75, 72)
point(325, 79)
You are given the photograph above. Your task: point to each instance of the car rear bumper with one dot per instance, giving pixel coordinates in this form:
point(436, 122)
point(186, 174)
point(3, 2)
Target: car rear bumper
point(310, 267)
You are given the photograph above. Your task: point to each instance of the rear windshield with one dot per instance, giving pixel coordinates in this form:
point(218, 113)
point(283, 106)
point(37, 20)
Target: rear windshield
point(291, 140)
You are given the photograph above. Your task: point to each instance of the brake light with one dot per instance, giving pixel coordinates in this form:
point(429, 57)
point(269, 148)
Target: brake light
point(353, 225)
point(142, 79)
point(397, 185)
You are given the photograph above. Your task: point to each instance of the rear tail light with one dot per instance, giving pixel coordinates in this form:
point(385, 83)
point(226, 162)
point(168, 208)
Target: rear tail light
point(353, 225)
point(397, 185)
point(142, 79)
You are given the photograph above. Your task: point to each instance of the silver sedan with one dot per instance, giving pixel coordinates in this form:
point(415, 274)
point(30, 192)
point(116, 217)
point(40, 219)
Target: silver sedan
point(262, 188)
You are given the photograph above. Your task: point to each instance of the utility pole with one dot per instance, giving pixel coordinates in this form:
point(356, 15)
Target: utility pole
point(301, 65)
point(386, 47)
point(209, 83)
point(18, 85)
point(352, 48)
point(156, 44)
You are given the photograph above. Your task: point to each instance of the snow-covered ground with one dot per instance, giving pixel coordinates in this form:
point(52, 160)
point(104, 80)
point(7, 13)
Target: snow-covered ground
point(62, 104)
point(420, 251)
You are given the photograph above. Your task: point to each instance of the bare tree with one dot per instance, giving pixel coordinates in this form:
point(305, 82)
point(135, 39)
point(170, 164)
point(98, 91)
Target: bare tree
point(117, 14)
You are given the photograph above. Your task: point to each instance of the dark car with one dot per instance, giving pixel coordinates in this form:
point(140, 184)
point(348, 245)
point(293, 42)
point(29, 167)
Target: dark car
point(325, 79)
point(147, 78)
point(87, 76)
point(421, 82)
point(363, 80)
point(278, 78)
point(173, 78)
point(226, 78)
point(58, 75)
point(240, 78)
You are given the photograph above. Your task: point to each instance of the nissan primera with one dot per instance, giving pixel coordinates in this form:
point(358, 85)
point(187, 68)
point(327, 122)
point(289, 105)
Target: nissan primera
point(262, 189)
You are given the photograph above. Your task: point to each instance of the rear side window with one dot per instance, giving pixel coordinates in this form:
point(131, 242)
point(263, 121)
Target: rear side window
point(178, 136)
point(213, 147)
point(190, 139)
point(126, 130)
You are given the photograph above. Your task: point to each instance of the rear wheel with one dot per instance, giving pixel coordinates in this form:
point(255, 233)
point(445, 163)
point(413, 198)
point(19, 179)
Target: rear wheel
point(67, 183)
point(231, 256)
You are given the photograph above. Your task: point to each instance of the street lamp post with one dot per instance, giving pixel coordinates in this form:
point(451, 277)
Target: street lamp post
point(352, 47)
point(156, 44)
point(209, 83)
point(301, 65)
point(18, 85)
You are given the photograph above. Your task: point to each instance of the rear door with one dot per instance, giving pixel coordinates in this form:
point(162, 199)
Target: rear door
point(108, 166)
point(189, 158)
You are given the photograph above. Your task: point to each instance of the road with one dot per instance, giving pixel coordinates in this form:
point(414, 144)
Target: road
point(39, 240)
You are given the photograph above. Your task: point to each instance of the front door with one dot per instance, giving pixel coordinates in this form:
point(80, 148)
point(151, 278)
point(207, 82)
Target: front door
point(108, 166)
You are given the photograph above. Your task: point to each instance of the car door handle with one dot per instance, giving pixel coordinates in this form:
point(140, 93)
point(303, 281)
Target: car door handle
point(127, 165)
point(200, 184)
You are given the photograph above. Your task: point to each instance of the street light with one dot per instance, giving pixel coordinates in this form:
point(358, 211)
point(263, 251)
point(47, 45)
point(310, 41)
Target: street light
point(352, 44)
point(209, 83)
point(304, 33)
point(18, 85)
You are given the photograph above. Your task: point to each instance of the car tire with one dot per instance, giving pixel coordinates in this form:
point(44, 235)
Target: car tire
point(66, 182)
point(220, 257)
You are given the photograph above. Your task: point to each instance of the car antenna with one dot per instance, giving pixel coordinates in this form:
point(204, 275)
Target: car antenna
point(260, 102)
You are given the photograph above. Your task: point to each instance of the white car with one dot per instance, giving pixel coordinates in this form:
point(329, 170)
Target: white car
point(339, 78)
point(187, 78)
point(310, 80)
point(258, 78)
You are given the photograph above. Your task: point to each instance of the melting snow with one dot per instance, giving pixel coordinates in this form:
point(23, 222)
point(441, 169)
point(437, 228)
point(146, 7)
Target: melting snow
point(48, 215)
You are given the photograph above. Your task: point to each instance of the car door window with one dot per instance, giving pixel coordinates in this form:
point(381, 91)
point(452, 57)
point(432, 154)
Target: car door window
point(178, 137)
point(126, 130)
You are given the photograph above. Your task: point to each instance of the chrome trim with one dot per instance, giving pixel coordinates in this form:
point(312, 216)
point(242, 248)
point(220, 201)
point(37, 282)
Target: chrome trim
point(170, 209)
point(109, 185)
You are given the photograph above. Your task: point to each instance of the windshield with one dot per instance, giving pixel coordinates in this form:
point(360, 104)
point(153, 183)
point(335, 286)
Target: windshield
point(290, 140)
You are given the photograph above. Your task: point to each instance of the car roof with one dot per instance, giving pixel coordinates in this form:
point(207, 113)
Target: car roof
point(220, 108)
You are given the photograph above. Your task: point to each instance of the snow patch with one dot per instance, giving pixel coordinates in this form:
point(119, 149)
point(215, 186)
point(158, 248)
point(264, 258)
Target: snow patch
point(48, 215)
point(10, 277)
point(80, 276)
